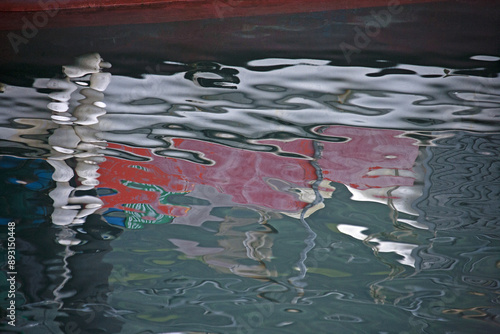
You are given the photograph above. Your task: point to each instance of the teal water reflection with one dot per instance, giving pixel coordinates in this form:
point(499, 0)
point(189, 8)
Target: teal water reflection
point(304, 197)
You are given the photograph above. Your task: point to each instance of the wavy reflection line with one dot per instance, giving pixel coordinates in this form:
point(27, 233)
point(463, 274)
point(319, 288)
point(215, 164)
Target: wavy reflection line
point(462, 189)
point(310, 240)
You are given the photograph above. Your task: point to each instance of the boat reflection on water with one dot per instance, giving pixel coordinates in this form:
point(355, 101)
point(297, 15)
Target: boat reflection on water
point(110, 172)
point(374, 162)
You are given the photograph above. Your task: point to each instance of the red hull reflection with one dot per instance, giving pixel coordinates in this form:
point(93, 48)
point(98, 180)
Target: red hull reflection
point(258, 179)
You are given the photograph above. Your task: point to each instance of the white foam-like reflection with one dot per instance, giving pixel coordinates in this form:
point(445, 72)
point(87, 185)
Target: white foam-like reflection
point(485, 58)
point(400, 248)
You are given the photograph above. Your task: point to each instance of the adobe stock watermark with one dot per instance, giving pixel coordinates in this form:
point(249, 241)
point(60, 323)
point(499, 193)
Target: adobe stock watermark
point(436, 307)
point(31, 25)
point(90, 308)
point(11, 273)
point(252, 321)
point(378, 19)
point(223, 7)
point(87, 311)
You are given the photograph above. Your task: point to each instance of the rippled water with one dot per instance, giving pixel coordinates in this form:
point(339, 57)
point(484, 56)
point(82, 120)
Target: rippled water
point(282, 196)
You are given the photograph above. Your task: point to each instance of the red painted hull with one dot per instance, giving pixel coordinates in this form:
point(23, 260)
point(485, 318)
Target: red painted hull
point(114, 12)
point(137, 39)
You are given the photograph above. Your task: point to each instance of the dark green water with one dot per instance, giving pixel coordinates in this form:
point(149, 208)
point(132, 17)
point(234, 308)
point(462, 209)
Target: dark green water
point(271, 195)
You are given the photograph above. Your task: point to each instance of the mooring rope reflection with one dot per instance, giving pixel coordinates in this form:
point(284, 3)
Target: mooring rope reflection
point(311, 238)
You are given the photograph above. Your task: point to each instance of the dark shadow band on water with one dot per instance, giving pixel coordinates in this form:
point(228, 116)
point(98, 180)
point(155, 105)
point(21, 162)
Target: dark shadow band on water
point(431, 34)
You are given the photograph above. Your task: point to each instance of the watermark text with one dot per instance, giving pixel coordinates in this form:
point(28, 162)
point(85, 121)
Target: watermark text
point(11, 273)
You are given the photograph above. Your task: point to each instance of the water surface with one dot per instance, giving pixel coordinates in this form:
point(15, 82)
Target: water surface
point(284, 195)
